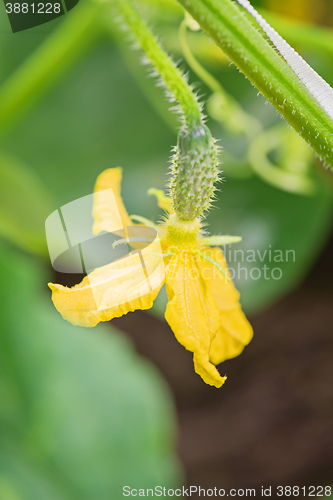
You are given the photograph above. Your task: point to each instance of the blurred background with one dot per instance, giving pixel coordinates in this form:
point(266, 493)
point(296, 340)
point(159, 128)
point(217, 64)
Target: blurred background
point(85, 412)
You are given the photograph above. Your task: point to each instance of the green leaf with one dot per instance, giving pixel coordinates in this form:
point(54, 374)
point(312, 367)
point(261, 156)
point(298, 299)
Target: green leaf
point(47, 63)
point(24, 206)
point(81, 414)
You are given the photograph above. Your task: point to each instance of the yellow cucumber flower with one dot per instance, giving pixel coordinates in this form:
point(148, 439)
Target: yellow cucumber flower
point(203, 309)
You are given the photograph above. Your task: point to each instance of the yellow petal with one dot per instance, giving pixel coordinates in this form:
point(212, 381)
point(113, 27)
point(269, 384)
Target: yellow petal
point(163, 201)
point(192, 313)
point(113, 290)
point(235, 331)
point(109, 211)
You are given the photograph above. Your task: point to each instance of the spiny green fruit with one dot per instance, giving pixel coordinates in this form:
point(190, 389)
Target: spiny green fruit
point(194, 172)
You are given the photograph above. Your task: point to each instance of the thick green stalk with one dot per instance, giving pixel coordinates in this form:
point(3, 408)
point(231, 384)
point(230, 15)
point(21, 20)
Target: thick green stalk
point(171, 75)
point(225, 22)
point(32, 79)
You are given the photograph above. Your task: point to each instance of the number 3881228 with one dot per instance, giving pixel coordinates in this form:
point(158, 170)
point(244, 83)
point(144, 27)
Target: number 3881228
point(40, 8)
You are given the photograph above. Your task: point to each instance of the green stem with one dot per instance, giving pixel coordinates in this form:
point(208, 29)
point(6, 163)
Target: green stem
point(222, 107)
point(211, 261)
point(171, 75)
point(291, 181)
point(204, 75)
point(148, 88)
point(244, 44)
point(304, 34)
point(32, 79)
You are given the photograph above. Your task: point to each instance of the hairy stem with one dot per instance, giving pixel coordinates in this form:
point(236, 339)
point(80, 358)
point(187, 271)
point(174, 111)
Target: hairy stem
point(171, 75)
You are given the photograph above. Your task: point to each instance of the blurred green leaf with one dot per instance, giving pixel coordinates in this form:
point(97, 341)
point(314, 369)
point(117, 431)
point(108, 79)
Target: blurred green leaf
point(48, 62)
point(24, 206)
point(81, 414)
